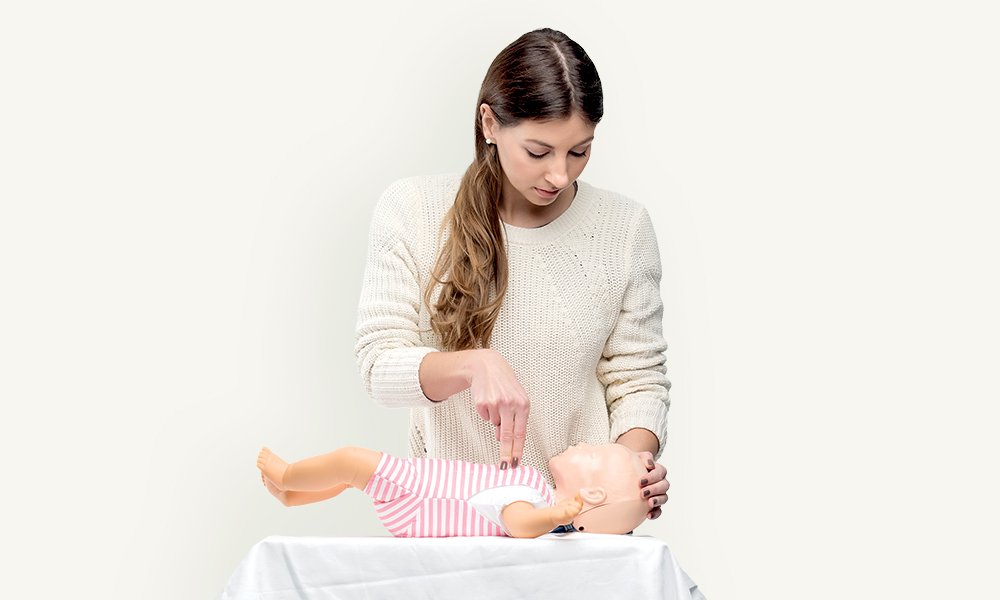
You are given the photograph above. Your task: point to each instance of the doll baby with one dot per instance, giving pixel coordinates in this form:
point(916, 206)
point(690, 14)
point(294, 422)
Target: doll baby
point(597, 491)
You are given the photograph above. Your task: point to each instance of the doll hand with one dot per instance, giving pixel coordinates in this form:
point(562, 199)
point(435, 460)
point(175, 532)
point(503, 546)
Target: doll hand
point(564, 512)
point(501, 400)
point(654, 485)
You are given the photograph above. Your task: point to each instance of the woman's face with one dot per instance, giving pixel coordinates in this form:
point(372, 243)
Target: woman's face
point(540, 162)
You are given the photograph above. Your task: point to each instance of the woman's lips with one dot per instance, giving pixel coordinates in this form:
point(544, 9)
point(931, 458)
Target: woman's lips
point(547, 193)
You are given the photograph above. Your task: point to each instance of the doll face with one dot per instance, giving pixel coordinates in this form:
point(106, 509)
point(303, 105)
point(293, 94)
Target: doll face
point(607, 479)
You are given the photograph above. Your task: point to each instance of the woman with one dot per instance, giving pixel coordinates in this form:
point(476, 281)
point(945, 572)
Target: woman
point(517, 289)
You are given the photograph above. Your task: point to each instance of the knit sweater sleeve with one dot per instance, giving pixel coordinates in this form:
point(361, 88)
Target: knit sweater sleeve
point(633, 363)
point(387, 341)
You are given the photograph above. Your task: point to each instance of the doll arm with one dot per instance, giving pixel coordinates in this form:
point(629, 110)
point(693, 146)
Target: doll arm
point(523, 520)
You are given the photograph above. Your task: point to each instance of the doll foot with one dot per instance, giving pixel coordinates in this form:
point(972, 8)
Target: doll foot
point(272, 468)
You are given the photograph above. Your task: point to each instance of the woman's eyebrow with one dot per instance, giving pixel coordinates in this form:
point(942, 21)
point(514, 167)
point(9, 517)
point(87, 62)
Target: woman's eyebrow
point(550, 147)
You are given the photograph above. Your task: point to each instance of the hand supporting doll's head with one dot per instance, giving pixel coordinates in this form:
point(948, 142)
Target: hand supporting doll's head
point(607, 479)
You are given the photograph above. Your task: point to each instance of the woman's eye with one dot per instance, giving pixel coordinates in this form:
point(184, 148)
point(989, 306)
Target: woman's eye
point(544, 154)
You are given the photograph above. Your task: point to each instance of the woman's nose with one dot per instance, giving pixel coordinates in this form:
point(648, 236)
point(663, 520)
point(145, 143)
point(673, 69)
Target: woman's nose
point(558, 175)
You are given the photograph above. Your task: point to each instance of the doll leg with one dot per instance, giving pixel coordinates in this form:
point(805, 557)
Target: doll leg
point(290, 498)
point(348, 466)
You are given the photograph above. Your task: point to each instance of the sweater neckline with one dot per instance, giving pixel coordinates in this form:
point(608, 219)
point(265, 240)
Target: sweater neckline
point(560, 225)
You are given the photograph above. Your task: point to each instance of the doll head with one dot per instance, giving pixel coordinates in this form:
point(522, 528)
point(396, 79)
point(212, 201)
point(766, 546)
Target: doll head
point(607, 479)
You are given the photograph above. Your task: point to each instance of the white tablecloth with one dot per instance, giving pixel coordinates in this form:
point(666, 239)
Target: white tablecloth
point(573, 565)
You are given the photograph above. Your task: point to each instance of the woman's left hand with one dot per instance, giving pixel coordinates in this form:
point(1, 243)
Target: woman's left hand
point(653, 487)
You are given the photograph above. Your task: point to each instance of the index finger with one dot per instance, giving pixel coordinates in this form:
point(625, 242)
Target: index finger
point(520, 432)
point(507, 439)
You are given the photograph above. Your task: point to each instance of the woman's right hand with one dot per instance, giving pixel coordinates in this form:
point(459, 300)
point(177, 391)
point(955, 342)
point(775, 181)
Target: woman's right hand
point(500, 399)
point(497, 394)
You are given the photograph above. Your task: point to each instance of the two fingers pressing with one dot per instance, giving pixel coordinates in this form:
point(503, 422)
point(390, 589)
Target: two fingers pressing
point(500, 399)
point(510, 418)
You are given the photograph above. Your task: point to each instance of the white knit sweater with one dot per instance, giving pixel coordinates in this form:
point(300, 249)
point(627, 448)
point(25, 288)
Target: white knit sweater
point(581, 324)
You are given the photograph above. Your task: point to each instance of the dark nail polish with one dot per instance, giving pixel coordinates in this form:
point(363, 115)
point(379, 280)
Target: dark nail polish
point(503, 466)
point(650, 465)
point(514, 462)
point(645, 493)
point(644, 482)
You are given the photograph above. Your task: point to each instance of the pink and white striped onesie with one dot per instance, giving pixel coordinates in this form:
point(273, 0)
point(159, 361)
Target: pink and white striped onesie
point(427, 497)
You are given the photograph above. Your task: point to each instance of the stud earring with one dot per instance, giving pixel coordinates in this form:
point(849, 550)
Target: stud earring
point(488, 141)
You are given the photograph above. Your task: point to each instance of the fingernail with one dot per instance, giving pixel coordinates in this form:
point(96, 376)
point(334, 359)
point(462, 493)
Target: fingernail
point(644, 482)
point(514, 462)
point(503, 466)
point(651, 464)
point(645, 493)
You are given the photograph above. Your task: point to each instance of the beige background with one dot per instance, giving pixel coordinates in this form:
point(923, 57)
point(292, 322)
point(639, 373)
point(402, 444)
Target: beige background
point(186, 189)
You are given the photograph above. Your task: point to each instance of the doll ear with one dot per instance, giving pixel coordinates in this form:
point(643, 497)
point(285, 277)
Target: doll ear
point(595, 496)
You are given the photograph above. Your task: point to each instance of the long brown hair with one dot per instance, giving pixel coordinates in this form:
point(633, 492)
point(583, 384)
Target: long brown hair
point(543, 76)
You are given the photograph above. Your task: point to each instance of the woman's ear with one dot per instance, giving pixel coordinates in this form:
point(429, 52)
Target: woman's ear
point(488, 121)
point(594, 496)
